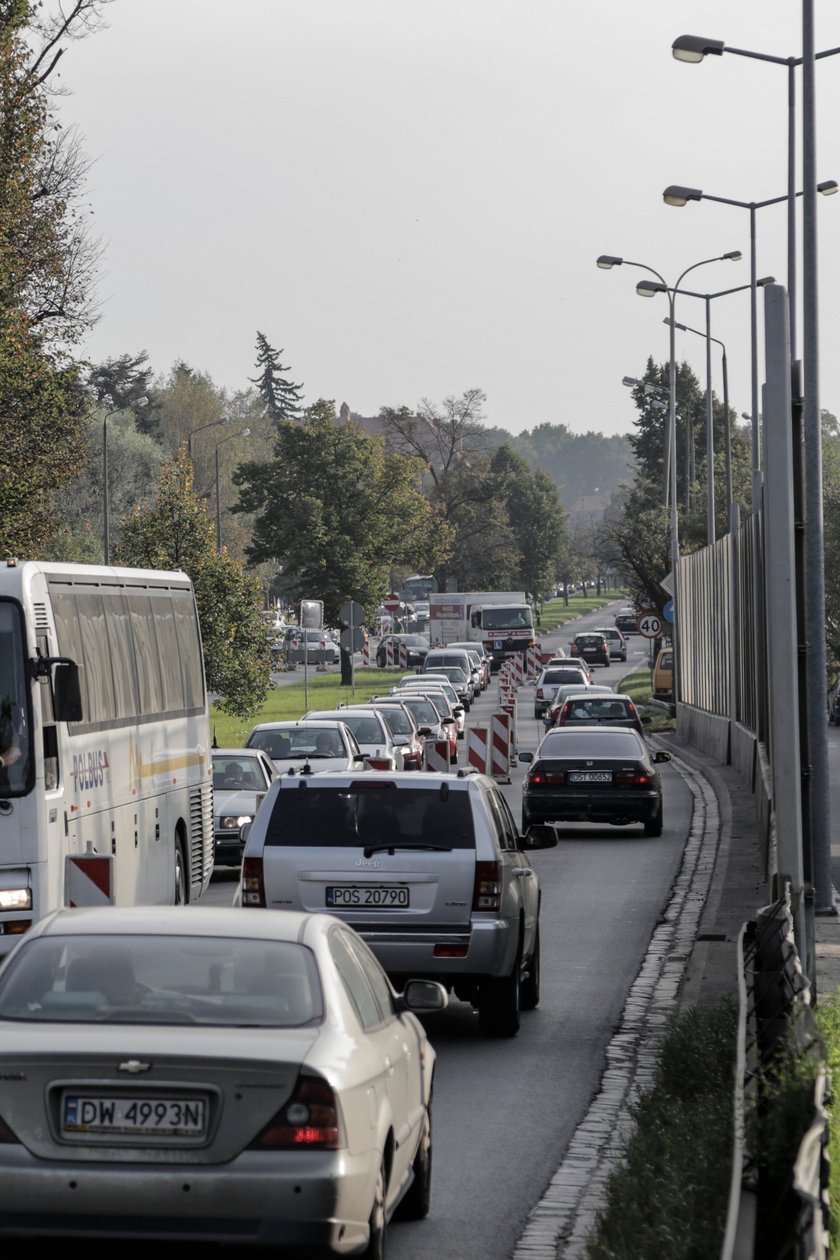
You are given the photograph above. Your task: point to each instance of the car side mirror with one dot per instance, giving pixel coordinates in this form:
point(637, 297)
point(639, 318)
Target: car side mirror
point(526, 756)
point(244, 831)
point(539, 836)
point(661, 756)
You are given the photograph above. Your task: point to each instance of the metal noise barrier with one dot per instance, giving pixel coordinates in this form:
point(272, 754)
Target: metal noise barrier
point(774, 1000)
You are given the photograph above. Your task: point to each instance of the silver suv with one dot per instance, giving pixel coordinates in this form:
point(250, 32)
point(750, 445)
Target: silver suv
point(430, 869)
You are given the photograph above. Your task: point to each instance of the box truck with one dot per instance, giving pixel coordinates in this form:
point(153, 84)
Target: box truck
point(502, 621)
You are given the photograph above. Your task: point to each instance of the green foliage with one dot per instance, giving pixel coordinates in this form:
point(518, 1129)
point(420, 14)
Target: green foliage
point(337, 513)
point(578, 463)
point(669, 1195)
point(176, 533)
point(536, 518)
point(776, 1127)
point(288, 703)
point(46, 272)
point(827, 1015)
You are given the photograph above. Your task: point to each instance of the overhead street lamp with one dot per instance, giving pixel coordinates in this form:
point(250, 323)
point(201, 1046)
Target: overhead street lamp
point(606, 262)
point(246, 432)
point(647, 289)
point(693, 49)
point(678, 195)
point(210, 424)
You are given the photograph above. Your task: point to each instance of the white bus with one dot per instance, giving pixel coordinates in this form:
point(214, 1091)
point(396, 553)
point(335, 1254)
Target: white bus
point(103, 696)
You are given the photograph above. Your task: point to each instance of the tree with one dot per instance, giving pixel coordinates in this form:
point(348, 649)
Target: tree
point(176, 533)
point(537, 520)
point(134, 461)
point(336, 513)
point(281, 397)
point(125, 383)
point(47, 265)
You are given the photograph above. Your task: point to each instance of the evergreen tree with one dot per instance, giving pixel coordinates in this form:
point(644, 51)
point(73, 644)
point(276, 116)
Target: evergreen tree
point(281, 397)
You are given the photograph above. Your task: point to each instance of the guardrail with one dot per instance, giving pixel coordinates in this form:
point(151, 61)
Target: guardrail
point(774, 1001)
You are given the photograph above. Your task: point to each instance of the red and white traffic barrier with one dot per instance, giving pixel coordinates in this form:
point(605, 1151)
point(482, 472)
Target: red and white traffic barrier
point(402, 655)
point(365, 654)
point(389, 652)
point(500, 746)
point(534, 665)
point(478, 748)
point(436, 754)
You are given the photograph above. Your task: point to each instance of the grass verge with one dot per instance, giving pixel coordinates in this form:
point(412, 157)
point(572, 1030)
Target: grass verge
point(556, 613)
point(669, 1195)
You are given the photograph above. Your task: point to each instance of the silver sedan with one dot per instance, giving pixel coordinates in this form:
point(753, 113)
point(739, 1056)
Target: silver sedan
point(203, 1074)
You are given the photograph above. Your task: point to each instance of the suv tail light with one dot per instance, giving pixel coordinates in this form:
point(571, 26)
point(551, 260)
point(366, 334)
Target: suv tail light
point(487, 892)
point(253, 884)
point(310, 1120)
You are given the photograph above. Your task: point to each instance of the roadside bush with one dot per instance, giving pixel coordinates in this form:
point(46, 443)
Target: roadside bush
point(669, 1196)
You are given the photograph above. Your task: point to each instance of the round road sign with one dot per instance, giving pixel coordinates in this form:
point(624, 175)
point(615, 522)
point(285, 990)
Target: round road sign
point(392, 602)
point(650, 625)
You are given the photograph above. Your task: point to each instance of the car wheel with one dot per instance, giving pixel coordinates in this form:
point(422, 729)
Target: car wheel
point(498, 1003)
point(375, 1249)
point(653, 827)
point(417, 1201)
point(529, 990)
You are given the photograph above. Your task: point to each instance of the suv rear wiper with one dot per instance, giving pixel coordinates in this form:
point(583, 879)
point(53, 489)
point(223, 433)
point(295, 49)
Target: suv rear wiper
point(370, 849)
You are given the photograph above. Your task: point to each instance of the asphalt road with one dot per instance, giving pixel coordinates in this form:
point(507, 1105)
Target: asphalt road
point(505, 1111)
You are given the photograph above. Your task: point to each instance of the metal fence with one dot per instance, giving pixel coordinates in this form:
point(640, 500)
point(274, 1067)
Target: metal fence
point(774, 1004)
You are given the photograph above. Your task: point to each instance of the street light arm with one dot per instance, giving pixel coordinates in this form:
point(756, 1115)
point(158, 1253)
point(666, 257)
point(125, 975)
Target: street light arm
point(605, 261)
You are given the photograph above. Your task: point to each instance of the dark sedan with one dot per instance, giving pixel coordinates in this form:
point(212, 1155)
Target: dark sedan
point(596, 774)
point(406, 650)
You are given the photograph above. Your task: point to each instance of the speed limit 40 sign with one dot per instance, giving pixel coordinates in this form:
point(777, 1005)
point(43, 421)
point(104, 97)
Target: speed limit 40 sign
point(650, 625)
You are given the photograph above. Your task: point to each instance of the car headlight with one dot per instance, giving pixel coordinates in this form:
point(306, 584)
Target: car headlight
point(232, 822)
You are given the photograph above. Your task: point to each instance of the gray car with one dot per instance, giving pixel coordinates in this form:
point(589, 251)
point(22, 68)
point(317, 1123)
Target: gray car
point(196, 1074)
point(430, 870)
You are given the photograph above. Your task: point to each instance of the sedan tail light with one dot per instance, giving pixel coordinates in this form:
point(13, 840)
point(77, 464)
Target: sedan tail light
point(540, 777)
point(632, 778)
point(253, 884)
point(487, 891)
point(309, 1120)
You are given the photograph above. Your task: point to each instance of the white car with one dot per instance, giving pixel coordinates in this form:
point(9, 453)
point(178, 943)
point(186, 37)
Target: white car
point(198, 1074)
point(241, 778)
point(371, 732)
point(415, 682)
point(308, 746)
point(554, 675)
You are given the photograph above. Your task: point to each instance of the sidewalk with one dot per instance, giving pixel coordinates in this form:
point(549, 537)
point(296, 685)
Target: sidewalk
point(738, 891)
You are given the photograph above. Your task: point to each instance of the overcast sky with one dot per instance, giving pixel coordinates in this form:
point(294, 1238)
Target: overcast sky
point(409, 196)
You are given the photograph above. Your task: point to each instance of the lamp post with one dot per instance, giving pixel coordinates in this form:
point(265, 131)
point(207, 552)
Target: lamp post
point(106, 532)
point(242, 433)
point(646, 288)
point(210, 424)
point(606, 262)
point(693, 49)
point(678, 195)
point(725, 375)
